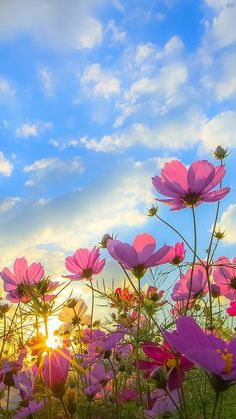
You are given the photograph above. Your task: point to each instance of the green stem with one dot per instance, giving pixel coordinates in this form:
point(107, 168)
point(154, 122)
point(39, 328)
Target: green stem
point(215, 405)
point(194, 259)
point(64, 407)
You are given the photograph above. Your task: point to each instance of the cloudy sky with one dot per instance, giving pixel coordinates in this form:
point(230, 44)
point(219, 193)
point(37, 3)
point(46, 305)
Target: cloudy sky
point(95, 96)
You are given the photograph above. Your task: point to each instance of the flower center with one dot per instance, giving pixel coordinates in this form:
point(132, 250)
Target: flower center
point(171, 363)
point(139, 271)
point(227, 357)
point(87, 272)
point(233, 283)
point(191, 199)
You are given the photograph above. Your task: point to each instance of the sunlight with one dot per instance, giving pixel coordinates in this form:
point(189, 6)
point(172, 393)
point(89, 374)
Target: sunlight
point(53, 341)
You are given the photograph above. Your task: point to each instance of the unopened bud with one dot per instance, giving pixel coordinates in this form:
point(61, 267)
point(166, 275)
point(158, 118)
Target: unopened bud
point(220, 153)
point(215, 291)
point(152, 211)
point(104, 241)
point(220, 235)
point(71, 303)
point(4, 306)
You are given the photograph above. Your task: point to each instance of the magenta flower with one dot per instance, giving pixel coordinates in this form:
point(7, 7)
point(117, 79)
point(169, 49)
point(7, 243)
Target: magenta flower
point(84, 264)
point(162, 356)
point(141, 255)
point(55, 370)
point(23, 278)
point(97, 379)
point(160, 403)
point(179, 254)
point(215, 355)
point(29, 410)
point(189, 187)
point(225, 277)
point(232, 309)
point(198, 288)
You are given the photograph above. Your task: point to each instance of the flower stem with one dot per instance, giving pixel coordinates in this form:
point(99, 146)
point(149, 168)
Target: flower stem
point(194, 259)
point(215, 405)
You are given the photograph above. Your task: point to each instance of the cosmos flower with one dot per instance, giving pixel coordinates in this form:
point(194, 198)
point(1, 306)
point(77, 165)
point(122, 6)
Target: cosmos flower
point(179, 254)
point(160, 403)
point(73, 316)
point(214, 355)
point(225, 277)
point(232, 309)
point(198, 288)
point(189, 187)
point(141, 255)
point(164, 356)
point(84, 264)
point(29, 410)
point(19, 283)
point(55, 370)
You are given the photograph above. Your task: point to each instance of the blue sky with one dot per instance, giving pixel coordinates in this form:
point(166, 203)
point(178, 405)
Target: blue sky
point(94, 97)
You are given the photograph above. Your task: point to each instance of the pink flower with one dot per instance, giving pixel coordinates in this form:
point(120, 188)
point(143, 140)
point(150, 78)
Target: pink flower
point(140, 255)
point(232, 309)
point(84, 264)
point(189, 187)
point(179, 254)
point(198, 288)
point(22, 280)
point(55, 370)
point(225, 277)
point(164, 356)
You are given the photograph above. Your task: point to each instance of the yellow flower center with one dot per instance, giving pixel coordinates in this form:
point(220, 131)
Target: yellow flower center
point(227, 357)
point(171, 363)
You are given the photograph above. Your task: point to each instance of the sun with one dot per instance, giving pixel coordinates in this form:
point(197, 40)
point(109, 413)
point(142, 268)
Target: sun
point(53, 341)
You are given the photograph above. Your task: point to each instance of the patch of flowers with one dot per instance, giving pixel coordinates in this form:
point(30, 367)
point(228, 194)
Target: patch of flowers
point(165, 345)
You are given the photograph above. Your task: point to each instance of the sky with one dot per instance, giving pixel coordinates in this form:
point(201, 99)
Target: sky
point(95, 96)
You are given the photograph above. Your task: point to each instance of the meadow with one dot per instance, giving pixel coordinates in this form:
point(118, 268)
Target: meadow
point(158, 352)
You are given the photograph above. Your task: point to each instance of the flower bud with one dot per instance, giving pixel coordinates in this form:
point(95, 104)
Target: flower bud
point(71, 303)
point(104, 241)
point(215, 291)
point(152, 211)
point(220, 235)
point(220, 153)
point(4, 306)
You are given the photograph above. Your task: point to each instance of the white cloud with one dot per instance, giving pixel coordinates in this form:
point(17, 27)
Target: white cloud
point(221, 129)
point(221, 80)
point(172, 133)
point(90, 38)
point(29, 183)
point(228, 223)
point(167, 83)
point(61, 23)
point(42, 201)
point(100, 82)
point(28, 129)
point(6, 167)
point(143, 51)
point(62, 145)
point(117, 35)
point(6, 90)
point(55, 167)
point(47, 80)
point(8, 203)
point(221, 31)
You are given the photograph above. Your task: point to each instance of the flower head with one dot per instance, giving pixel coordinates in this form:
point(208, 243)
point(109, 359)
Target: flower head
point(198, 287)
point(19, 283)
point(141, 255)
point(225, 277)
point(75, 315)
point(163, 356)
point(55, 370)
point(213, 354)
point(231, 310)
point(189, 187)
point(179, 254)
point(84, 264)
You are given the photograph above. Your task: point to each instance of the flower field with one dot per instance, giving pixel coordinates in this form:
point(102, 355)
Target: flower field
point(159, 351)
